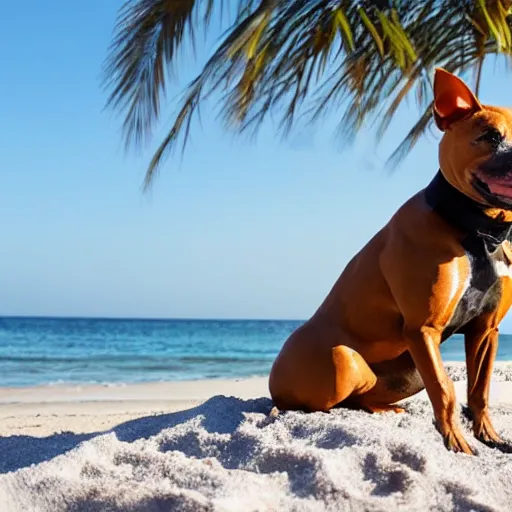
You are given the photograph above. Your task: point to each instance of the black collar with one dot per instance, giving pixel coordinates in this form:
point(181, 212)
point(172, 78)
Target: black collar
point(465, 214)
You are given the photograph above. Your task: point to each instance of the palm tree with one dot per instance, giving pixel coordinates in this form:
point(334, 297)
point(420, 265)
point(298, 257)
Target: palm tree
point(298, 58)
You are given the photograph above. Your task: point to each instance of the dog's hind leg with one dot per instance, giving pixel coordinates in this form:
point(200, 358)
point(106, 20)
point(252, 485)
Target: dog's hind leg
point(313, 379)
point(397, 379)
point(363, 389)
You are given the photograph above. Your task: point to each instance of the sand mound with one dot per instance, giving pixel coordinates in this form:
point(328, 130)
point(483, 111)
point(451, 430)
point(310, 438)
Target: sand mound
point(234, 455)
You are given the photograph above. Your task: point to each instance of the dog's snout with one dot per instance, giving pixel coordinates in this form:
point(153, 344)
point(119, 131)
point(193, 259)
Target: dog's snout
point(500, 164)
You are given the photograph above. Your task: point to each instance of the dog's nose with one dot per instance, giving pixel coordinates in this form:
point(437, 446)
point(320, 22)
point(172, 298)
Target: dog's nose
point(500, 164)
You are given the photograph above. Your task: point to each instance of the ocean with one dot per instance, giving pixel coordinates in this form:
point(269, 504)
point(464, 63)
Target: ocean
point(36, 351)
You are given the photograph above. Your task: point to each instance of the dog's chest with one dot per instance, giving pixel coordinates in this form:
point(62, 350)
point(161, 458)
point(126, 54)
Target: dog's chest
point(484, 287)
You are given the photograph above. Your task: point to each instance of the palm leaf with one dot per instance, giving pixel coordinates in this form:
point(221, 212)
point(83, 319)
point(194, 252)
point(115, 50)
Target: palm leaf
point(298, 59)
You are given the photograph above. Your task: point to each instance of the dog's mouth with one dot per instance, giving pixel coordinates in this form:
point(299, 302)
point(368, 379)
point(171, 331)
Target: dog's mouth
point(497, 190)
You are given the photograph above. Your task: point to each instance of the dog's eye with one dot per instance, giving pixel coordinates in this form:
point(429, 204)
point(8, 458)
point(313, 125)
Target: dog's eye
point(492, 136)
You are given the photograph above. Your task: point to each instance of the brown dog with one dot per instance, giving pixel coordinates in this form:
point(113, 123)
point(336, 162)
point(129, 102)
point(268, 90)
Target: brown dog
point(442, 265)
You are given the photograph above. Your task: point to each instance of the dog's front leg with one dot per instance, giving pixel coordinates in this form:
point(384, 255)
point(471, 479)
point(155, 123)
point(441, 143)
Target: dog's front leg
point(481, 346)
point(424, 349)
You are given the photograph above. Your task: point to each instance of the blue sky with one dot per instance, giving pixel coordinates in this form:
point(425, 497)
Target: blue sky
point(237, 229)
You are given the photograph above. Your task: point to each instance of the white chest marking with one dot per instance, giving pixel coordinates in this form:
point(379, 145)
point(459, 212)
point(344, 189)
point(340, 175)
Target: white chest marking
point(455, 283)
point(503, 269)
point(501, 263)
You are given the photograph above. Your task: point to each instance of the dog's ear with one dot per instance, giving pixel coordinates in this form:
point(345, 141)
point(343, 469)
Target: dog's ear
point(453, 99)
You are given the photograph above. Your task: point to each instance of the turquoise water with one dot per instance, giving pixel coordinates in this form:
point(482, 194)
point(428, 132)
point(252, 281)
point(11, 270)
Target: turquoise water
point(64, 350)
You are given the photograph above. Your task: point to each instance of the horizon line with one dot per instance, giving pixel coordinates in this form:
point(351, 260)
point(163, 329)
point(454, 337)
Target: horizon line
point(151, 318)
point(160, 319)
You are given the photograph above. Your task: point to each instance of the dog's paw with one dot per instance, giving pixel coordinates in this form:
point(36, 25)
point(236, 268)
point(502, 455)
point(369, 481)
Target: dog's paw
point(455, 441)
point(383, 408)
point(484, 431)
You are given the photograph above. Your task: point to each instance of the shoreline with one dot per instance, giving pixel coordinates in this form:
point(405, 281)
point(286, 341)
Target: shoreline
point(196, 389)
point(49, 409)
point(185, 389)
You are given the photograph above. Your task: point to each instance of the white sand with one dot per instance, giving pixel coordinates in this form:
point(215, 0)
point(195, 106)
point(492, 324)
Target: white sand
point(135, 448)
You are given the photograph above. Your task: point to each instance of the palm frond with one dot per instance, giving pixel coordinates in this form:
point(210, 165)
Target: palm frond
point(148, 37)
point(364, 58)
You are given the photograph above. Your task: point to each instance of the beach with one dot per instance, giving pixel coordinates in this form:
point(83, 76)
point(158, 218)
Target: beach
point(44, 410)
point(220, 445)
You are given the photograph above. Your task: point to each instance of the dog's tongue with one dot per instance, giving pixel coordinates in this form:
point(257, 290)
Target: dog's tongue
point(500, 187)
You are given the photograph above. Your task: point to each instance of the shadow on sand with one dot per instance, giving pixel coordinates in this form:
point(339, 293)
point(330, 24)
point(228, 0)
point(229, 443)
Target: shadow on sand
point(219, 414)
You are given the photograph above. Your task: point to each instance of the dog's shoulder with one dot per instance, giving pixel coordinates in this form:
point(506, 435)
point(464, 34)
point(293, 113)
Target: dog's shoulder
point(416, 227)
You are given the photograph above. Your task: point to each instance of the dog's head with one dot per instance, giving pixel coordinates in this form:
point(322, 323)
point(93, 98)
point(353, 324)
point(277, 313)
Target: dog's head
point(475, 153)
